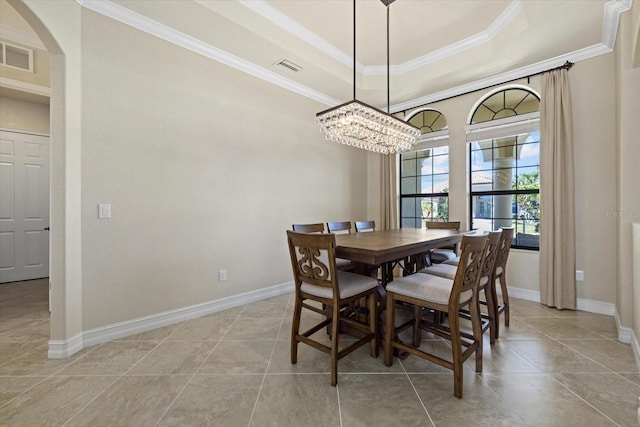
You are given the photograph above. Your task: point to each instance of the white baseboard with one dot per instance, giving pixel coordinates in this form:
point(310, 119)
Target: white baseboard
point(62, 349)
point(525, 294)
point(635, 345)
point(598, 307)
point(591, 306)
point(625, 334)
point(65, 348)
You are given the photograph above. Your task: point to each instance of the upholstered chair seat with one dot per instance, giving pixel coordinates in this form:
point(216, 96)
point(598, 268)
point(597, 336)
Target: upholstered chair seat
point(350, 284)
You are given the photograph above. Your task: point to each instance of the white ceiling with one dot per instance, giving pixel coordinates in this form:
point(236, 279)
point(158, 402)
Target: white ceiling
point(438, 47)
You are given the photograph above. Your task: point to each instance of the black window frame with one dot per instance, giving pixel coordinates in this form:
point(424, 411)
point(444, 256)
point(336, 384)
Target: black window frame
point(513, 192)
point(422, 195)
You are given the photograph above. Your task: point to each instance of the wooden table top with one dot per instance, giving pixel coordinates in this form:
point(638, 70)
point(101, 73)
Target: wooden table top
point(378, 247)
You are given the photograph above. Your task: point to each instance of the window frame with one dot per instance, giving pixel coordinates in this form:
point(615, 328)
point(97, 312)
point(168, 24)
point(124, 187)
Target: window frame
point(512, 192)
point(438, 142)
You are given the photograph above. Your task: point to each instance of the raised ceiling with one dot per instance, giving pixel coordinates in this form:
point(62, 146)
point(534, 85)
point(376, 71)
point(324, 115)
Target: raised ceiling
point(438, 47)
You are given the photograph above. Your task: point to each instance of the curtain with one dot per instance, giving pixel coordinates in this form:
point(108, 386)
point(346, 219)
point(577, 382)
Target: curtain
point(557, 205)
point(389, 192)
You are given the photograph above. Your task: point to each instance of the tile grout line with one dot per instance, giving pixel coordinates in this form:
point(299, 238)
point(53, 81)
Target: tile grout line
point(608, 370)
point(118, 377)
point(46, 377)
point(433, 424)
point(582, 399)
point(339, 406)
point(266, 369)
point(186, 384)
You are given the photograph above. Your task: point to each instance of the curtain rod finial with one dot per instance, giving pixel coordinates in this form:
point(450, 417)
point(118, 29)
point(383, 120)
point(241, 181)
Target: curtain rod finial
point(567, 65)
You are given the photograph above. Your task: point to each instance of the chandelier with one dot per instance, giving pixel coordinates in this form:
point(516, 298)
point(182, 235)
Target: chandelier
point(363, 126)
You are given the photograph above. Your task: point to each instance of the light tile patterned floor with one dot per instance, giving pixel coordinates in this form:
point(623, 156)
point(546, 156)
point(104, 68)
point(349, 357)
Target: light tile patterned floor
point(550, 368)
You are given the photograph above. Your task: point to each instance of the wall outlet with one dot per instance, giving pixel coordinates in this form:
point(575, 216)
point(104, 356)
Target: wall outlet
point(222, 275)
point(580, 275)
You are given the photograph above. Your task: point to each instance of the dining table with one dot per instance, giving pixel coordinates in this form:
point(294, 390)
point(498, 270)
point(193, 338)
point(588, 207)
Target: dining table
point(371, 250)
point(377, 251)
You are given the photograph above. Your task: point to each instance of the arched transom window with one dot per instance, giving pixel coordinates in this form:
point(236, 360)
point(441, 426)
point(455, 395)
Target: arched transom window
point(429, 121)
point(506, 103)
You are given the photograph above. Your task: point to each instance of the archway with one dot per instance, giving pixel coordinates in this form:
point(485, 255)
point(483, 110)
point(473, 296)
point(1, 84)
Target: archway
point(58, 26)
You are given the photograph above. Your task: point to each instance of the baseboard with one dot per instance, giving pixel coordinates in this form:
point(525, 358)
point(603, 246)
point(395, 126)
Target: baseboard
point(65, 348)
point(525, 294)
point(625, 334)
point(635, 345)
point(591, 306)
point(61, 349)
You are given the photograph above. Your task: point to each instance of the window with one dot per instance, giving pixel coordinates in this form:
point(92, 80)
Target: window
point(504, 159)
point(424, 173)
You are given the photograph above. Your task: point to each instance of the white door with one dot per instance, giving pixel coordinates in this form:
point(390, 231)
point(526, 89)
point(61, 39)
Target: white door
point(24, 206)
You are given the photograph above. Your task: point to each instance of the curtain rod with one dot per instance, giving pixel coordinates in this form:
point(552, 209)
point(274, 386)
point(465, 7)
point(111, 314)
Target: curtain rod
point(566, 66)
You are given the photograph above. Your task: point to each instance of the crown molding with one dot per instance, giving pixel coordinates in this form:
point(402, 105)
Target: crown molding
point(164, 32)
point(278, 18)
point(20, 36)
point(612, 12)
point(576, 56)
point(510, 12)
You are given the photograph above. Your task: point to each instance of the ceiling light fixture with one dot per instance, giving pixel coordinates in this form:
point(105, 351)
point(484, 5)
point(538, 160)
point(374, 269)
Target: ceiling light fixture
point(363, 126)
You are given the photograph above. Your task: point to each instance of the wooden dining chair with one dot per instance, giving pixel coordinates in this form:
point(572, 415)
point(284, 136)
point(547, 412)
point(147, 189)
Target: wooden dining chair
point(501, 277)
point(445, 295)
point(439, 255)
point(365, 226)
point(317, 279)
point(504, 247)
point(339, 227)
point(343, 227)
point(309, 228)
point(488, 273)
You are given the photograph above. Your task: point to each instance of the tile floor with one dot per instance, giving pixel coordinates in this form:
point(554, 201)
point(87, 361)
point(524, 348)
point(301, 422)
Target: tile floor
point(550, 368)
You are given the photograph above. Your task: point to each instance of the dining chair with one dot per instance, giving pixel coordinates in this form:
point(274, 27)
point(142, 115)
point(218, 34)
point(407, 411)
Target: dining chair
point(488, 273)
point(340, 227)
point(501, 277)
point(309, 228)
point(439, 255)
point(317, 279)
point(342, 264)
point(365, 226)
point(445, 295)
point(504, 247)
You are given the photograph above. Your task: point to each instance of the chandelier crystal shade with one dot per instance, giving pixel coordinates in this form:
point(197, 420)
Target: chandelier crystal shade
point(363, 126)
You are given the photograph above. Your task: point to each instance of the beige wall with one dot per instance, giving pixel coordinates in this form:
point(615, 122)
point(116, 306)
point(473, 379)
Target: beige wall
point(23, 115)
point(205, 168)
point(628, 153)
point(593, 102)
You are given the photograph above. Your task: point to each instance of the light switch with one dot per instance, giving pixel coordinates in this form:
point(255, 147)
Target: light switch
point(104, 210)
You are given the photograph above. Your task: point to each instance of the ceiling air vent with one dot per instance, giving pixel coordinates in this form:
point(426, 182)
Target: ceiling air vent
point(291, 66)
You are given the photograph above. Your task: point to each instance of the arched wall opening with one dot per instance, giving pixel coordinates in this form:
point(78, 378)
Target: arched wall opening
point(58, 25)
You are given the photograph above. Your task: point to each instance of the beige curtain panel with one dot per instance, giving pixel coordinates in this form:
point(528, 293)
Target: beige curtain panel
point(557, 205)
point(389, 193)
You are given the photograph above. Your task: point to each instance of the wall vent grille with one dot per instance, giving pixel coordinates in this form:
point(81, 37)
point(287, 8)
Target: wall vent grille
point(291, 66)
